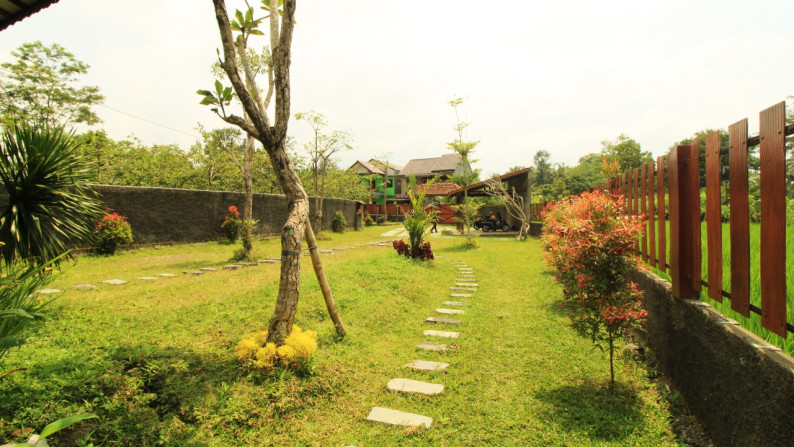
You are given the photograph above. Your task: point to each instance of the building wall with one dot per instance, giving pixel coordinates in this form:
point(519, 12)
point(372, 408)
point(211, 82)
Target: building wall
point(160, 215)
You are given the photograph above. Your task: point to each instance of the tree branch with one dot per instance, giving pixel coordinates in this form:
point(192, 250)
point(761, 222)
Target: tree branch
point(281, 62)
point(229, 65)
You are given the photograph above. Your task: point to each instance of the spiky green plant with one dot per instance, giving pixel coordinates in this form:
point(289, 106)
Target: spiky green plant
point(417, 220)
point(48, 203)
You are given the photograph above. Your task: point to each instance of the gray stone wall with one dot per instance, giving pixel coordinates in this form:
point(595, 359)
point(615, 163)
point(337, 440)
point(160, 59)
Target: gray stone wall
point(740, 390)
point(161, 215)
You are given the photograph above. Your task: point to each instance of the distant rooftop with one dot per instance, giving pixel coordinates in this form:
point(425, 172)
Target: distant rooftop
point(428, 167)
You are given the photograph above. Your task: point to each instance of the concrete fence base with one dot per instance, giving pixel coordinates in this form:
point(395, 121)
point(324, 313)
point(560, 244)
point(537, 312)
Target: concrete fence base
point(738, 385)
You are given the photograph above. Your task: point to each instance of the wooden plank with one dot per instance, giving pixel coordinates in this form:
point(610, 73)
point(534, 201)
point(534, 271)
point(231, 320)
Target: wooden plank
point(740, 219)
point(713, 216)
point(684, 211)
point(624, 190)
point(635, 204)
point(693, 218)
point(651, 217)
point(644, 210)
point(773, 219)
point(661, 164)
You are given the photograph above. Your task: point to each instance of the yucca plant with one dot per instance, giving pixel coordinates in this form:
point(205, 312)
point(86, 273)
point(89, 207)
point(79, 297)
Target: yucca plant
point(417, 221)
point(48, 203)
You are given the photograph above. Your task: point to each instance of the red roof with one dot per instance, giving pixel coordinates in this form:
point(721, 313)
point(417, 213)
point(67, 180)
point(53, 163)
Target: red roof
point(481, 184)
point(437, 189)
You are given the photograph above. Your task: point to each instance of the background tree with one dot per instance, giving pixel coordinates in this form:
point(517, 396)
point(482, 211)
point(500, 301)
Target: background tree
point(39, 87)
point(542, 172)
point(273, 136)
point(512, 201)
point(320, 152)
point(465, 149)
point(626, 151)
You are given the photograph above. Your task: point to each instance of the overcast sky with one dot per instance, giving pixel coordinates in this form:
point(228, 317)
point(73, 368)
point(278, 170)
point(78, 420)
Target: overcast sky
point(554, 75)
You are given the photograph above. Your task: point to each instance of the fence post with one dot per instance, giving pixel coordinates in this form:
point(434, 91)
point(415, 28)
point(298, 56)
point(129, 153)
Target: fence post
point(684, 199)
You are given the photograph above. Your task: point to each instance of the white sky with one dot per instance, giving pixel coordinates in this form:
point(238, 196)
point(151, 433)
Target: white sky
point(554, 75)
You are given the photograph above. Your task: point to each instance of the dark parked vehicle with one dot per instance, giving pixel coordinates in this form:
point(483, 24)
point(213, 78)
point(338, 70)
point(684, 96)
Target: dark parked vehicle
point(487, 224)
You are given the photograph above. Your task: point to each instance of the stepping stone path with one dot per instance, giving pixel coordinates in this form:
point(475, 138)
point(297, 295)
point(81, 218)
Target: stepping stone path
point(48, 291)
point(85, 287)
point(415, 386)
point(443, 320)
point(267, 261)
point(450, 311)
point(460, 295)
point(443, 334)
point(166, 275)
point(194, 272)
point(115, 282)
point(467, 284)
point(394, 417)
point(430, 346)
point(208, 269)
point(463, 289)
point(455, 303)
point(465, 280)
point(231, 267)
point(148, 278)
point(426, 365)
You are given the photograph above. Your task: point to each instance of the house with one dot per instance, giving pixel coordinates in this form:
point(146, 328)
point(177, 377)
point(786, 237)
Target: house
point(424, 169)
point(372, 174)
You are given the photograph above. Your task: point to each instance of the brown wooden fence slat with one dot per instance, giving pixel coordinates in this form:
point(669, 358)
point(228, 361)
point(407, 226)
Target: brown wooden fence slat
point(683, 172)
point(625, 192)
point(773, 219)
point(693, 185)
point(661, 163)
point(651, 217)
point(635, 204)
point(740, 219)
point(644, 209)
point(713, 216)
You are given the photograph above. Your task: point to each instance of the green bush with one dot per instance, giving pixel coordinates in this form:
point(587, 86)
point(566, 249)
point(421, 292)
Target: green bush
point(112, 231)
point(339, 224)
point(381, 220)
point(368, 219)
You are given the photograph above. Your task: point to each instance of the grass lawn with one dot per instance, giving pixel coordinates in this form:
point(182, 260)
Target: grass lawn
point(155, 361)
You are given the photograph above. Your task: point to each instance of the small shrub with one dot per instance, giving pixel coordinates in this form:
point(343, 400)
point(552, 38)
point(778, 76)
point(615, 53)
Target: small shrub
point(232, 224)
point(368, 220)
point(381, 220)
point(112, 231)
point(471, 242)
point(422, 252)
point(256, 353)
point(589, 242)
point(339, 224)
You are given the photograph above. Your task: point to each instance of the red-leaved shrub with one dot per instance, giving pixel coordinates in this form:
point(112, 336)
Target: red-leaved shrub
point(588, 242)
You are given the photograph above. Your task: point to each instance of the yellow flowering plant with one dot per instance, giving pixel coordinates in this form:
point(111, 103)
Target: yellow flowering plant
point(255, 352)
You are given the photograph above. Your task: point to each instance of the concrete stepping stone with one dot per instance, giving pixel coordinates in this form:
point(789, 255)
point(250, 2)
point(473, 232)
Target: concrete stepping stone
point(443, 320)
point(469, 284)
point(465, 269)
point(48, 291)
point(166, 275)
point(463, 289)
point(253, 264)
point(465, 280)
point(415, 386)
point(194, 272)
point(85, 287)
point(460, 295)
point(430, 346)
point(455, 303)
point(426, 365)
point(148, 278)
point(396, 417)
point(267, 261)
point(450, 311)
point(208, 269)
point(231, 267)
point(442, 334)
point(115, 282)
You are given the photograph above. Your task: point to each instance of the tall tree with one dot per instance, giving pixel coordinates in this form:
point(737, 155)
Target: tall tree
point(320, 152)
point(467, 176)
point(39, 87)
point(626, 151)
point(273, 136)
point(543, 174)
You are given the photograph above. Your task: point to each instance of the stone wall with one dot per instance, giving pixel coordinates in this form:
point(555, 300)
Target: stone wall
point(161, 215)
point(739, 386)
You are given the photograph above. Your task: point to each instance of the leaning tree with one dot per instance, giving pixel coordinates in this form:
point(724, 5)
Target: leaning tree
point(273, 136)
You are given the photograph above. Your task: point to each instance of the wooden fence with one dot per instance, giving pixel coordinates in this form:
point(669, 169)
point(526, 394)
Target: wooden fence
point(677, 176)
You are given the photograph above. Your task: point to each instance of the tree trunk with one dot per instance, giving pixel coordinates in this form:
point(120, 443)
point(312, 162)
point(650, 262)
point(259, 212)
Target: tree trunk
point(318, 270)
point(249, 197)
